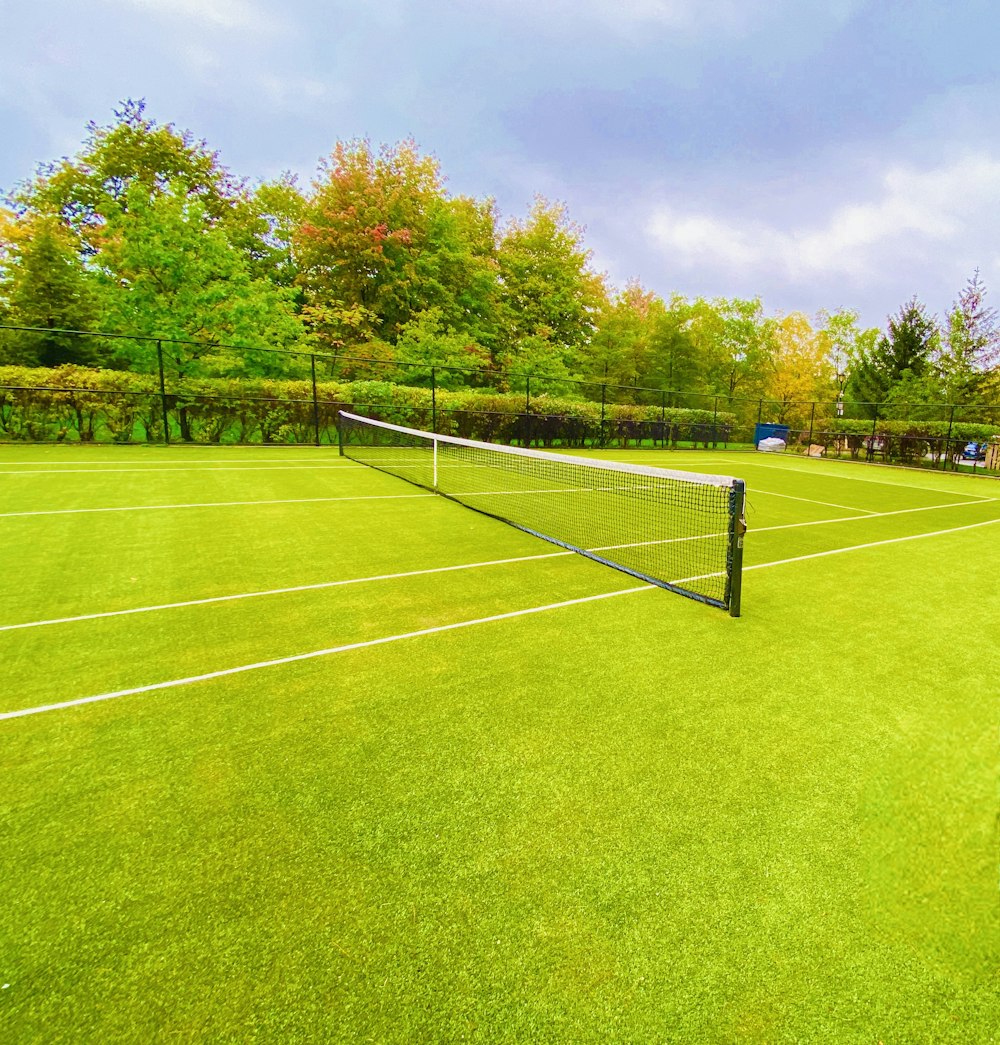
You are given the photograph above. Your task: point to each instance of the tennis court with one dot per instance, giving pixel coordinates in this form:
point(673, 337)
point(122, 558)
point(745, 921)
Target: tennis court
point(309, 753)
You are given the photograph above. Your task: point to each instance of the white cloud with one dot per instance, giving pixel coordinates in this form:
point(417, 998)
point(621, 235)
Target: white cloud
point(720, 17)
point(919, 216)
point(233, 15)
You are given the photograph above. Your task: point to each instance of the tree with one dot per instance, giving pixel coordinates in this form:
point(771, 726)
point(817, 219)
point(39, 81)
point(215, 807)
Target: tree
point(906, 348)
point(970, 346)
point(799, 370)
point(92, 188)
point(620, 351)
point(43, 283)
point(261, 225)
point(674, 362)
point(735, 345)
point(549, 296)
point(379, 244)
point(846, 344)
point(169, 272)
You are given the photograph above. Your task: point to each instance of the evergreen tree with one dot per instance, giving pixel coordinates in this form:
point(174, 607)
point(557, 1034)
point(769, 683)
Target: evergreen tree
point(971, 345)
point(906, 348)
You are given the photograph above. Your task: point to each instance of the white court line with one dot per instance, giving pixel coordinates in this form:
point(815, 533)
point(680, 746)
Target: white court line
point(465, 566)
point(213, 504)
point(279, 591)
point(172, 468)
point(450, 627)
point(872, 515)
point(871, 544)
point(808, 470)
point(318, 653)
point(227, 459)
point(840, 551)
point(753, 491)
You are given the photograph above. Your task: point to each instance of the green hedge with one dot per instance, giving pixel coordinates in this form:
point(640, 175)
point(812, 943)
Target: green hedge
point(79, 404)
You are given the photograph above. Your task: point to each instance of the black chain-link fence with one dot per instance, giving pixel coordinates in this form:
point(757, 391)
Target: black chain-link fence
point(196, 392)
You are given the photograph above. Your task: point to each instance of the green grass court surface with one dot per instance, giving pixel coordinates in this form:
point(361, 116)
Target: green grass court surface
point(619, 819)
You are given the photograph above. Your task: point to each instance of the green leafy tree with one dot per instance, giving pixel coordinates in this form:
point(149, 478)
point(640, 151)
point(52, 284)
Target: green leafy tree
point(735, 343)
point(261, 225)
point(43, 283)
point(381, 243)
point(845, 341)
point(621, 349)
point(169, 272)
point(427, 339)
point(674, 362)
point(93, 187)
point(549, 296)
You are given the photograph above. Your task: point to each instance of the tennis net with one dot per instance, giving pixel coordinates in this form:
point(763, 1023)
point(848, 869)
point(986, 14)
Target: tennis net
point(679, 530)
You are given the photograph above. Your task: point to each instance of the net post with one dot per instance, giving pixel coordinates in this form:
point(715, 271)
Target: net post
point(737, 528)
point(340, 432)
point(435, 464)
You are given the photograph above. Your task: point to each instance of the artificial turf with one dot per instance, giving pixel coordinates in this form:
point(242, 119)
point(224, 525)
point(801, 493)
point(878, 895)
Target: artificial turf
point(627, 820)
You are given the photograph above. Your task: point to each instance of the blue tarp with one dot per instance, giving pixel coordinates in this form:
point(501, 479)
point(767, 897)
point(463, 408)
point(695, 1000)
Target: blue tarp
point(762, 431)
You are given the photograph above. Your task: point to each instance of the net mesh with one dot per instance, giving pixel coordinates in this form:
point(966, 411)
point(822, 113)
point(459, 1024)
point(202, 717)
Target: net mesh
point(679, 530)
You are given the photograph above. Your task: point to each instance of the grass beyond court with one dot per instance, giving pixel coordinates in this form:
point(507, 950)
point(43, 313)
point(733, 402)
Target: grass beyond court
point(625, 819)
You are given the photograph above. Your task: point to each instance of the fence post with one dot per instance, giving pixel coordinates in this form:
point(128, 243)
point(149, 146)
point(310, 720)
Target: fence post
point(604, 398)
point(715, 421)
point(163, 392)
point(527, 410)
point(312, 363)
point(663, 420)
point(434, 405)
point(812, 418)
point(947, 441)
point(760, 410)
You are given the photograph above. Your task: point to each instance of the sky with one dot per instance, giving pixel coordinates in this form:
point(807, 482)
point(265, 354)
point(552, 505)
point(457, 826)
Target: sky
point(816, 155)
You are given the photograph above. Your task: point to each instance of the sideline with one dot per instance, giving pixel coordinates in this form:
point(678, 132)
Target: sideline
point(278, 591)
point(212, 504)
point(320, 585)
point(256, 666)
point(172, 468)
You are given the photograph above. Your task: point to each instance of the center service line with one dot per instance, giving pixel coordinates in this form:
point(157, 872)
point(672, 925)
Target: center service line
point(318, 653)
